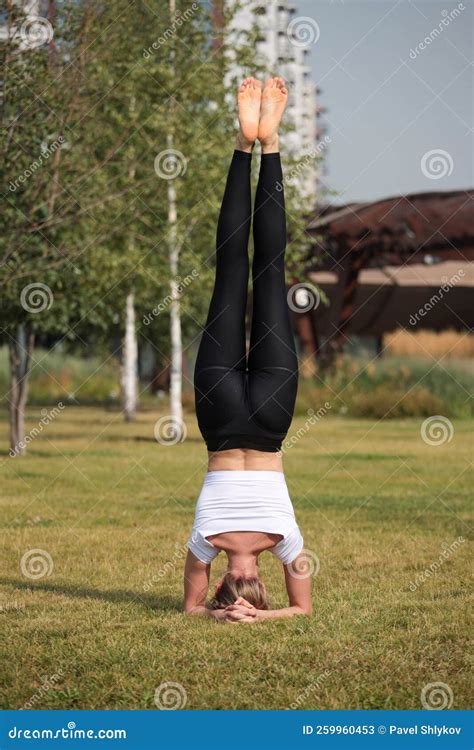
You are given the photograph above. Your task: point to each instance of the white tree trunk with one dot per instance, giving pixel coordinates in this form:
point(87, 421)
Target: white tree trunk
point(176, 376)
point(129, 386)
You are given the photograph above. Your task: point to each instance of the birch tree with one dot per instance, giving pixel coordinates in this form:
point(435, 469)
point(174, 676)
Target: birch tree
point(48, 272)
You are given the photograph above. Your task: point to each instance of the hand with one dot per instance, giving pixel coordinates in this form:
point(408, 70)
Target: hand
point(241, 611)
point(251, 610)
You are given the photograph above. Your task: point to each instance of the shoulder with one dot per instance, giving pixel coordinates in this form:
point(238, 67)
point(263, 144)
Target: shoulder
point(290, 546)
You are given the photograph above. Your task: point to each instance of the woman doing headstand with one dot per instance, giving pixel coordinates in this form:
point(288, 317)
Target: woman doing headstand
point(245, 401)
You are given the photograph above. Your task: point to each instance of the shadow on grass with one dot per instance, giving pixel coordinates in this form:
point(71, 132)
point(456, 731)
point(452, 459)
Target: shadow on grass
point(162, 603)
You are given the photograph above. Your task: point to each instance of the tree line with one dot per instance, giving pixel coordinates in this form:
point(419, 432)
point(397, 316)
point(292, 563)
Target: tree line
point(117, 128)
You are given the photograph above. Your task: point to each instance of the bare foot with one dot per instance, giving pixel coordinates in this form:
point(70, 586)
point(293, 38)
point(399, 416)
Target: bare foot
point(248, 99)
point(274, 98)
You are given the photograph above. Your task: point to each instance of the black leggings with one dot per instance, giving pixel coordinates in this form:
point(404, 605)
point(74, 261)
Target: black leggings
point(247, 401)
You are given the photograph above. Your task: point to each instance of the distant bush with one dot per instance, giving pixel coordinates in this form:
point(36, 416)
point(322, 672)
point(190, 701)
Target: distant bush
point(392, 386)
point(384, 388)
point(57, 376)
point(386, 402)
point(429, 344)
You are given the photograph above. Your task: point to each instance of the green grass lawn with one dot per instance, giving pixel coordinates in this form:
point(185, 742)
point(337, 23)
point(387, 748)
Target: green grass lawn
point(113, 509)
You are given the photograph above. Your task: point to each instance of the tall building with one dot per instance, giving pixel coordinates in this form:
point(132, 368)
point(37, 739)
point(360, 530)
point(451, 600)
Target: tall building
point(283, 46)
point(32, 9)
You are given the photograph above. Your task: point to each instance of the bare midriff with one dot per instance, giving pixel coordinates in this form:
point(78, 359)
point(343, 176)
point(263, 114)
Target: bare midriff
point(245, 459)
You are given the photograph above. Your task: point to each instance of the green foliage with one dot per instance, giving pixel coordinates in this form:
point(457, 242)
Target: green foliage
point(45, 231)
point(390, 403)
point(91, 221)
point(390, 387)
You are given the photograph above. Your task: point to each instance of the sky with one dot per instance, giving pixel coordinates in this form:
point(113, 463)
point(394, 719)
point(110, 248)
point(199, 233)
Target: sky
point(390, 102)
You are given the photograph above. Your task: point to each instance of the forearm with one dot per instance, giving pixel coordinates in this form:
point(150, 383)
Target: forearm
point(213, 614)
point(274, 614)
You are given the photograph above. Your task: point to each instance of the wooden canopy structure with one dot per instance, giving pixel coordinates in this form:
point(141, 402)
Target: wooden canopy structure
point(406, 261)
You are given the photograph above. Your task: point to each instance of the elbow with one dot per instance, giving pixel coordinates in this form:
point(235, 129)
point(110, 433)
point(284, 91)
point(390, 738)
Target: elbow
point(307, 610)
point(196, 609)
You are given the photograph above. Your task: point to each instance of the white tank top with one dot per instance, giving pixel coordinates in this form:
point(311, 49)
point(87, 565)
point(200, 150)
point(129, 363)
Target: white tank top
point(245, 501)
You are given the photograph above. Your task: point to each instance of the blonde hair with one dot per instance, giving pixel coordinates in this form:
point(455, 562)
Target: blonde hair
point(231, 587)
